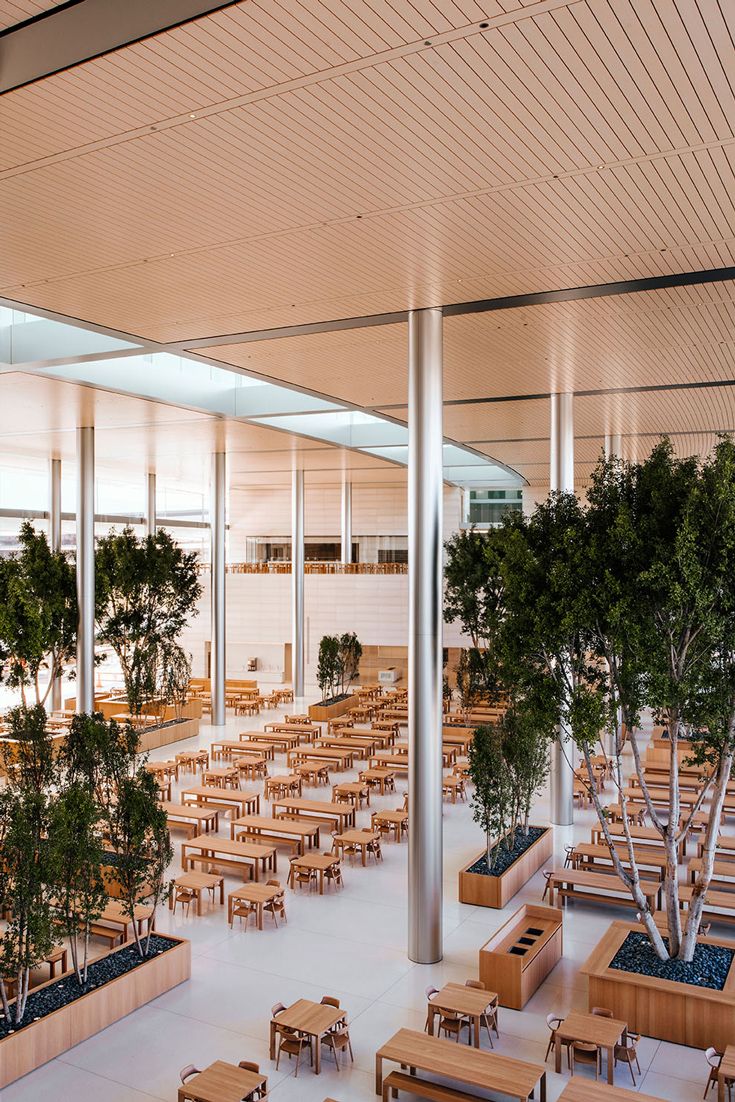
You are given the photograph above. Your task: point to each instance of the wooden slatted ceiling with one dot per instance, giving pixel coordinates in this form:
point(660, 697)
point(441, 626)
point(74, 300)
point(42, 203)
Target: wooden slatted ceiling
point(570, 143)
point(655, 338)
point(17, 11)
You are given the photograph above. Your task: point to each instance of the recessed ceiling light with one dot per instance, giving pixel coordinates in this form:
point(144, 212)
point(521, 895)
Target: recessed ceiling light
point(427, 43)
point(192, 116)
point(484, 26)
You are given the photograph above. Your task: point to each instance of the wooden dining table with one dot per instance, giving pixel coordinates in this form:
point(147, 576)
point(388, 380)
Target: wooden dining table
point(313, 1019)
point(591, 1029)
point(319, 861)
point(586, 1090)
point(221, 1082)
point(257, 894)
point(359, 839)
point(470, 1067)
point(464, 1002)
point(725, 1071)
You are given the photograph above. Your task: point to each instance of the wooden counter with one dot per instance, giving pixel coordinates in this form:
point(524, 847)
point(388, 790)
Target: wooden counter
point(519, 956)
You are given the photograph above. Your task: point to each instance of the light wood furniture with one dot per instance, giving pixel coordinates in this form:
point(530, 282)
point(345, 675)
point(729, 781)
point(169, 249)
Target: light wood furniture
point(313, 1019)
point(461, 1002)
point(290, 784)
point(320, 862)
point(586, 1090)
point(496, 891)
point(590, 1029)
point(468, 1066)
point(677, 1012)
point(719, 906)
point(241, 857)
point(194, 820)
point(360, 840)
point(340, 759)
point(339, 816)
point(380, 776)
point(725, 1072)
point(221, 777)
point(354, 791)
point(304, 731)
point(256, 745)
point(297, 832)
point(358, 745)
point(236, 803)
point(198, 883)
point(599, 887)
point(221, 1082)
point(397, 821)
point(519, 956)
point(642, 836)
point(587, 855)
point(386, 759)
point(280, 741)
point(256, 894)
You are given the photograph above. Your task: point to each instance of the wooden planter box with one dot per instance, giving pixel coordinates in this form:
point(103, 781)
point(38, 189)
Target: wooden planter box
point(497, 891)
point(152, 737)
point(519, 956)
point(677, 1012)
point(322, 713)
point(59, 1031)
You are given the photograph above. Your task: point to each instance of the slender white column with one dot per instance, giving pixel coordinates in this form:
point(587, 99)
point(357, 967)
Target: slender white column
point(562, 479)
point(297, 583)
point(218, 532)
point(425, 634)
point(150, 504)
point(55, 543)
point(85, 569)
point(613, 445)
point(346, 522)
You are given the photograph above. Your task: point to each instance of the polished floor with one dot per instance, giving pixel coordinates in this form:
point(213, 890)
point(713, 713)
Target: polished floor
point(350, 944)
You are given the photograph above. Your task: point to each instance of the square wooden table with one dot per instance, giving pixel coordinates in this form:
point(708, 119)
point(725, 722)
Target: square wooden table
point(199, 882)
point(319, 861)
point(259, 894)
point(591, 1029)
point(314, 1019)
point(468, 1066)
point(466, 1002)
point(359, 838)
point(726, 1071)
point(221, 1082)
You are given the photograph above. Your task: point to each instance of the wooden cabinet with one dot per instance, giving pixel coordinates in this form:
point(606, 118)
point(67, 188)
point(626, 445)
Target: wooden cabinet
point(519, 956)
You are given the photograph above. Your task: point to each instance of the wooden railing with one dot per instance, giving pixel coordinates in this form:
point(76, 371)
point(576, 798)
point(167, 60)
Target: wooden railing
point(315, 568)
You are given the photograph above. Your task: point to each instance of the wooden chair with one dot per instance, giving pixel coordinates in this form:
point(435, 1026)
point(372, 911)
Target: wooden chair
point(243, 909)
point(338, 1040)
point(333, 874)
point(373, 846)
point(553, 1021)
point(628, 1053)
point(292, 1043)
point(277, 905)
point(259, 1092)
point(430, 992)
point(582, 1053)
point(184, 896)
point(189, 1071)
point(490, 1014)
point(302, 876)
point(714, 1059)
point(601, 1012)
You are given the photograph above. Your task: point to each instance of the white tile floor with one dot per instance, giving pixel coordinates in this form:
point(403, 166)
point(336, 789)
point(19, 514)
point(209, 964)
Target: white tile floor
point(352, 945)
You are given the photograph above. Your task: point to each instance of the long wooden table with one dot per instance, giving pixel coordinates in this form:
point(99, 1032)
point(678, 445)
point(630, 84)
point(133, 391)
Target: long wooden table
point(194, 819)
point(591, 1029)
point(469, 1066)
point(588, 855)
point(292, 830)
point(341, 759)
point(387, 760)
point(340, 815)
point(599, 887)
point(224, 799)
point(282, 740)
point(586, 1090)
point(642, 836)
point(221, 1082)
point(305, 731)
point(238, 856)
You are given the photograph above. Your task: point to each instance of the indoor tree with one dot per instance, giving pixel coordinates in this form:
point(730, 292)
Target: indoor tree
point(38, 614)
point(350, 653)
point(329, 666)
point(146, 590)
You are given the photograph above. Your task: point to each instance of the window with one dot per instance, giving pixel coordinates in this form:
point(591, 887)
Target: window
point(488, 508)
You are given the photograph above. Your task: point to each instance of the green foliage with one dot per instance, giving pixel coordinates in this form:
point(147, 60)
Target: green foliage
point(492, 798)
point(146, 591)
point(173, 667)
point(329, 666)
point(350, 653)
point(38, 613)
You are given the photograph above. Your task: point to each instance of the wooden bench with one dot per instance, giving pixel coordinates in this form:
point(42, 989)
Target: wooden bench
point(587, 855)
point(724, 901)
point(106, 933)
point(423, 1088)
point(578, 884)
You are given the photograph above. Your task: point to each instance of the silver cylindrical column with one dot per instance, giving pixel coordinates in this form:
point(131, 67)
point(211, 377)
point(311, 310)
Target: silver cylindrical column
point(425, 487)
point(562, 479)
point(346, 522)
point(150, 504)
point(85, 569)
point(218, 533)
point(297, 583)
point(55, 543)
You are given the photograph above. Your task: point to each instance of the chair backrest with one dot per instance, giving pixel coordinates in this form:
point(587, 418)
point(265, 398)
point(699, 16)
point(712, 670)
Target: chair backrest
point(329, 1000)
point(713, 1057)
point(475, 983)
point(273, 883)
point(187, 1072)
point(431, 991)
point(553, 1020)
point(249, 1065)
point(277, 1009)
point(602, 1012)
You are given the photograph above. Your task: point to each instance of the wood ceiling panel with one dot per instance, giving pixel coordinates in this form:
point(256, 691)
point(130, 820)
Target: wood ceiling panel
point(17, 11)
point(584, 143)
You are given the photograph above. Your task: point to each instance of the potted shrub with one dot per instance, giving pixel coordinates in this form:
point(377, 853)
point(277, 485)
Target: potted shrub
point(337, 668)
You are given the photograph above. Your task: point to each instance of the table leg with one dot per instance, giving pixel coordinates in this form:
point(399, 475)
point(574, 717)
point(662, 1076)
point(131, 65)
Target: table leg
point(317, 1054)
point(199, 901)
point(272, 1040)
point(476, 1030)
point(431, 1014)
point(720, 1087)
point(611, 1065)
point(222, 892)
point(259, 915)
point(557, 1055)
